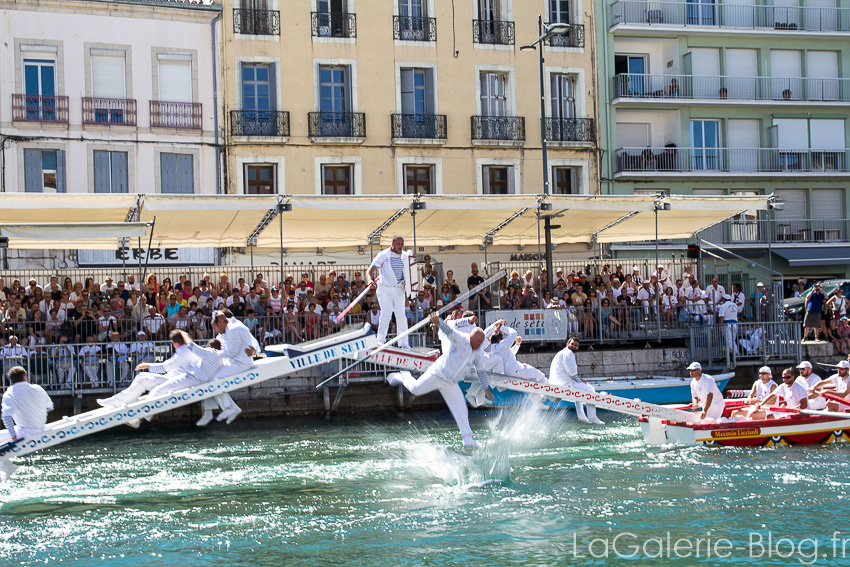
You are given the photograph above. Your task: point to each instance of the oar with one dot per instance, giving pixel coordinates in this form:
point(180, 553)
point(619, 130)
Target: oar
point(836, 414)
point(836, 398)
point(357, 300)
point(418, 325)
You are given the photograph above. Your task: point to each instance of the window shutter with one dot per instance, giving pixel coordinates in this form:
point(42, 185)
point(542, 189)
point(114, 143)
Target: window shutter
point(499, 95)
point(485, 185)
point(168, 172)
point(60, 171)
point(175, 80)
point(408, 102)
point(33, 180)
point(827, 204)
point(272, 88)
point(511, 183)
point(485, 94)
point(827, 134)
point(107, 76)
point(185, 175)
point(430, 93)
point(102, 172)
point(119, 172)
point(795, 204)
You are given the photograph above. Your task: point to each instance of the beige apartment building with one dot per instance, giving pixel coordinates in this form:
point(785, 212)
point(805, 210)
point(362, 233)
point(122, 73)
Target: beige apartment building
point(345, 97)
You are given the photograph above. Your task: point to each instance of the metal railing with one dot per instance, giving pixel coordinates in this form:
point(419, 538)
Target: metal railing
point(742, 160)
point(574, 37)
point(570, 130)
point(426, 126)
point(256, 22)
point(333, 24)
point(38, 108)
point(492, 32)
point(259, 123)
point(414, 28)
point(337, 124)
point(774, 341)
point(721, 87)
point(498, 128)
point(183, 115)
point(763, 17)
point(109, 111)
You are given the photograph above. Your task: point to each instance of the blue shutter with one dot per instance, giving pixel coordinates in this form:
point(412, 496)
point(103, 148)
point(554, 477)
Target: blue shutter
point(60, 171)
point(101, 172)
point(33, 179)
point(185, 174)
point(119, 172)
point(168, 172)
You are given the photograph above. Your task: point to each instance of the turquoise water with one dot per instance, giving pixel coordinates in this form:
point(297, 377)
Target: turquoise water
point(400, 490)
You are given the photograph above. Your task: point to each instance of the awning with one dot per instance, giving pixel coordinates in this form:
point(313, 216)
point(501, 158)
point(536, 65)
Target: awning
point(815, 255)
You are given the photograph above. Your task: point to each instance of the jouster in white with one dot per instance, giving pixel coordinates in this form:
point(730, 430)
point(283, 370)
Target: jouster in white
point(501, 352)
point(446, 373)
point(393, 266)
point(564, 372)
point(25, 406)
point(705, 393)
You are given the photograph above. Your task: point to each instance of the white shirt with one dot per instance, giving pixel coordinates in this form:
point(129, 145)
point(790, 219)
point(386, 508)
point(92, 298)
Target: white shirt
point(503, 350)
point(134, 285)
point(452, 362)
point(384, 265)
point(817, 403)
point(792, 395)
point(235, 340)
point(142, 348)
point(763, 389)
point(841, 385)
point(210, 361)
point(90, 353)
point(738, 301)
point(645, 294)
point(728, 310)
point(564, 368)
point(17, 352)
point(669, 301)
point(700, 389)
point(25, 405)
point(118, 350)
point(180, 362)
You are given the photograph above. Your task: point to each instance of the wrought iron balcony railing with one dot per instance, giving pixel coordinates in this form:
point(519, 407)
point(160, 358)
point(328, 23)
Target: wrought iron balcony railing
point(733, 160)
point(709, 14)
point(570, 130)
point(337, 124)
point(425, 126)
point(495, 33)
point(334, 24)
point(183, 115)
point(256, 22)
point(109, 111)
point(721, 87)
point(498, 128)
point(38, 108)
point(414, 28)
point(269, 123)
point(574, 37)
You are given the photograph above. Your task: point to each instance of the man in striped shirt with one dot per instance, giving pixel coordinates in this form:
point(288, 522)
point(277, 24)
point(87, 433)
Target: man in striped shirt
point(390, 264)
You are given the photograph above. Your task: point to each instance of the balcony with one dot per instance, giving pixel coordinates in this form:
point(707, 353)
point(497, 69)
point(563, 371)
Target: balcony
point(570, 130)
point(265, 123)
point(414, 28)
point(731, 16)
point(337, 124)
point(504, 128)
point(334, 24)
point(492, 33)
point(38, 108)
point(723, 88)
point(573, 38)
point(181, 115)
point(734, 161)
point(256, 22)
point(418, 127)
point(109, 111)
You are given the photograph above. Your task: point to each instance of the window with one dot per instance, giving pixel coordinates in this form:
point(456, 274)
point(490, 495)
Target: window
point(333, 19)
point(259, 179)
point(257, 87)
point(498, 180)
point(489, 10)
point(175, 77)
point(44, 171)
point(334, 89)
point(177, 173)
point(559, 11)
point(336, 180)
point(418, 179)
point(417, 103)
point(564, 181)
point(413, 23)
point(110, 172)
point(705, 142)
point(40, 89)
point(493, 97)
point(700, 13)
point(107, 74)
point(633, 66)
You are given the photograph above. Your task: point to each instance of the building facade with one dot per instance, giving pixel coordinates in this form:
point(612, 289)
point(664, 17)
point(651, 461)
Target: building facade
point(713, 97)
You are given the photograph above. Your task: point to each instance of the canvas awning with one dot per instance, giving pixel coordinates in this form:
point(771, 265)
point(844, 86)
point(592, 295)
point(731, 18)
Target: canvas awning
point(815, 255)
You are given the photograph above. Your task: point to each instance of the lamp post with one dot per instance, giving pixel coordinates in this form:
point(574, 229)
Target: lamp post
point(545, 32)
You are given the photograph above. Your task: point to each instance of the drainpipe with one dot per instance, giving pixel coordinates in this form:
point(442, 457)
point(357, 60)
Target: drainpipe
point(215, 106)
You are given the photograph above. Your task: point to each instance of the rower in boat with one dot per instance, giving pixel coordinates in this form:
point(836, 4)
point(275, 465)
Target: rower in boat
point(564, 372)
point(838, 384)
point(809, 380)
point(705, 394)
point(763, 387)
point(795, 396)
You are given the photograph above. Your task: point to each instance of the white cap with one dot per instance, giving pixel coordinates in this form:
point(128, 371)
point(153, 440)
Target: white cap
point(805, 364)
point(660, 266)
point(141, 334)
point(727, 296)
point(704, 296)
point(759, 284)
point(844, 364)
point(765, 370)
point(695, 366)
point(635, 269)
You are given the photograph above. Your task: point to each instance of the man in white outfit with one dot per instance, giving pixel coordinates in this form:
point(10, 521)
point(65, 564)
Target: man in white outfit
point(446, 373)
point(391, 264)
point(502, 340)
point(705, 394)
point(65, 356)
point(809, 380)
point(727, 313)
point(564, 372)
point(25, 406)
point(208, 365)
point(238, 346)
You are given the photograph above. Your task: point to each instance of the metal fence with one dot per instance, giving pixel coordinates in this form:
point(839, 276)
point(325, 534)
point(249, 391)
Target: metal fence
point(766, 341)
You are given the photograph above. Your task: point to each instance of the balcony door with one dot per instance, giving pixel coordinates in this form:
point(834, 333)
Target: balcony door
point(821, 15)
point(412, 14)
point(493, 97)
point(705, 64)
point(332, 18)
point(108, 87)
point(258, 100)
point(413, 9)
point(40, 89)
point(701, 13)
point(705, 145)
point(786, 70)
point(743, 143)
point(335, 100)
point(741, 71)
point(634, 67)
point(786, 14)
point(822, 70)
point(562, 107)
point(559, 11)
point(417, 103)
point(740, 13)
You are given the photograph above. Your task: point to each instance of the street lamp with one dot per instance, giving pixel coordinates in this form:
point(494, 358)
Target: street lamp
point(545, 32)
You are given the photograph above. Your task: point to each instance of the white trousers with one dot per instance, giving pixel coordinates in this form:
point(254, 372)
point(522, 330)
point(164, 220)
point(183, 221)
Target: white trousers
point(65, 371)
point(731, 335)
point(91, 370)
point(143, 382)
point(222, 401)
point(450, 391)
point(123, 372)
point(391, 300)
point(580, 406)
point(174, 383)
point(527, 372)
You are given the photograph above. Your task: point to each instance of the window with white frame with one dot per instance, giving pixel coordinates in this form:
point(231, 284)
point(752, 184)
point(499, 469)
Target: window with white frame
point(175, 77)
point(177, 173)
point(419, 179)
point(110, 172)
point(337, 179)
point(564, 181)
point(260, 179)
point(498, 180)
point(44, 171)
point(559, 11)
